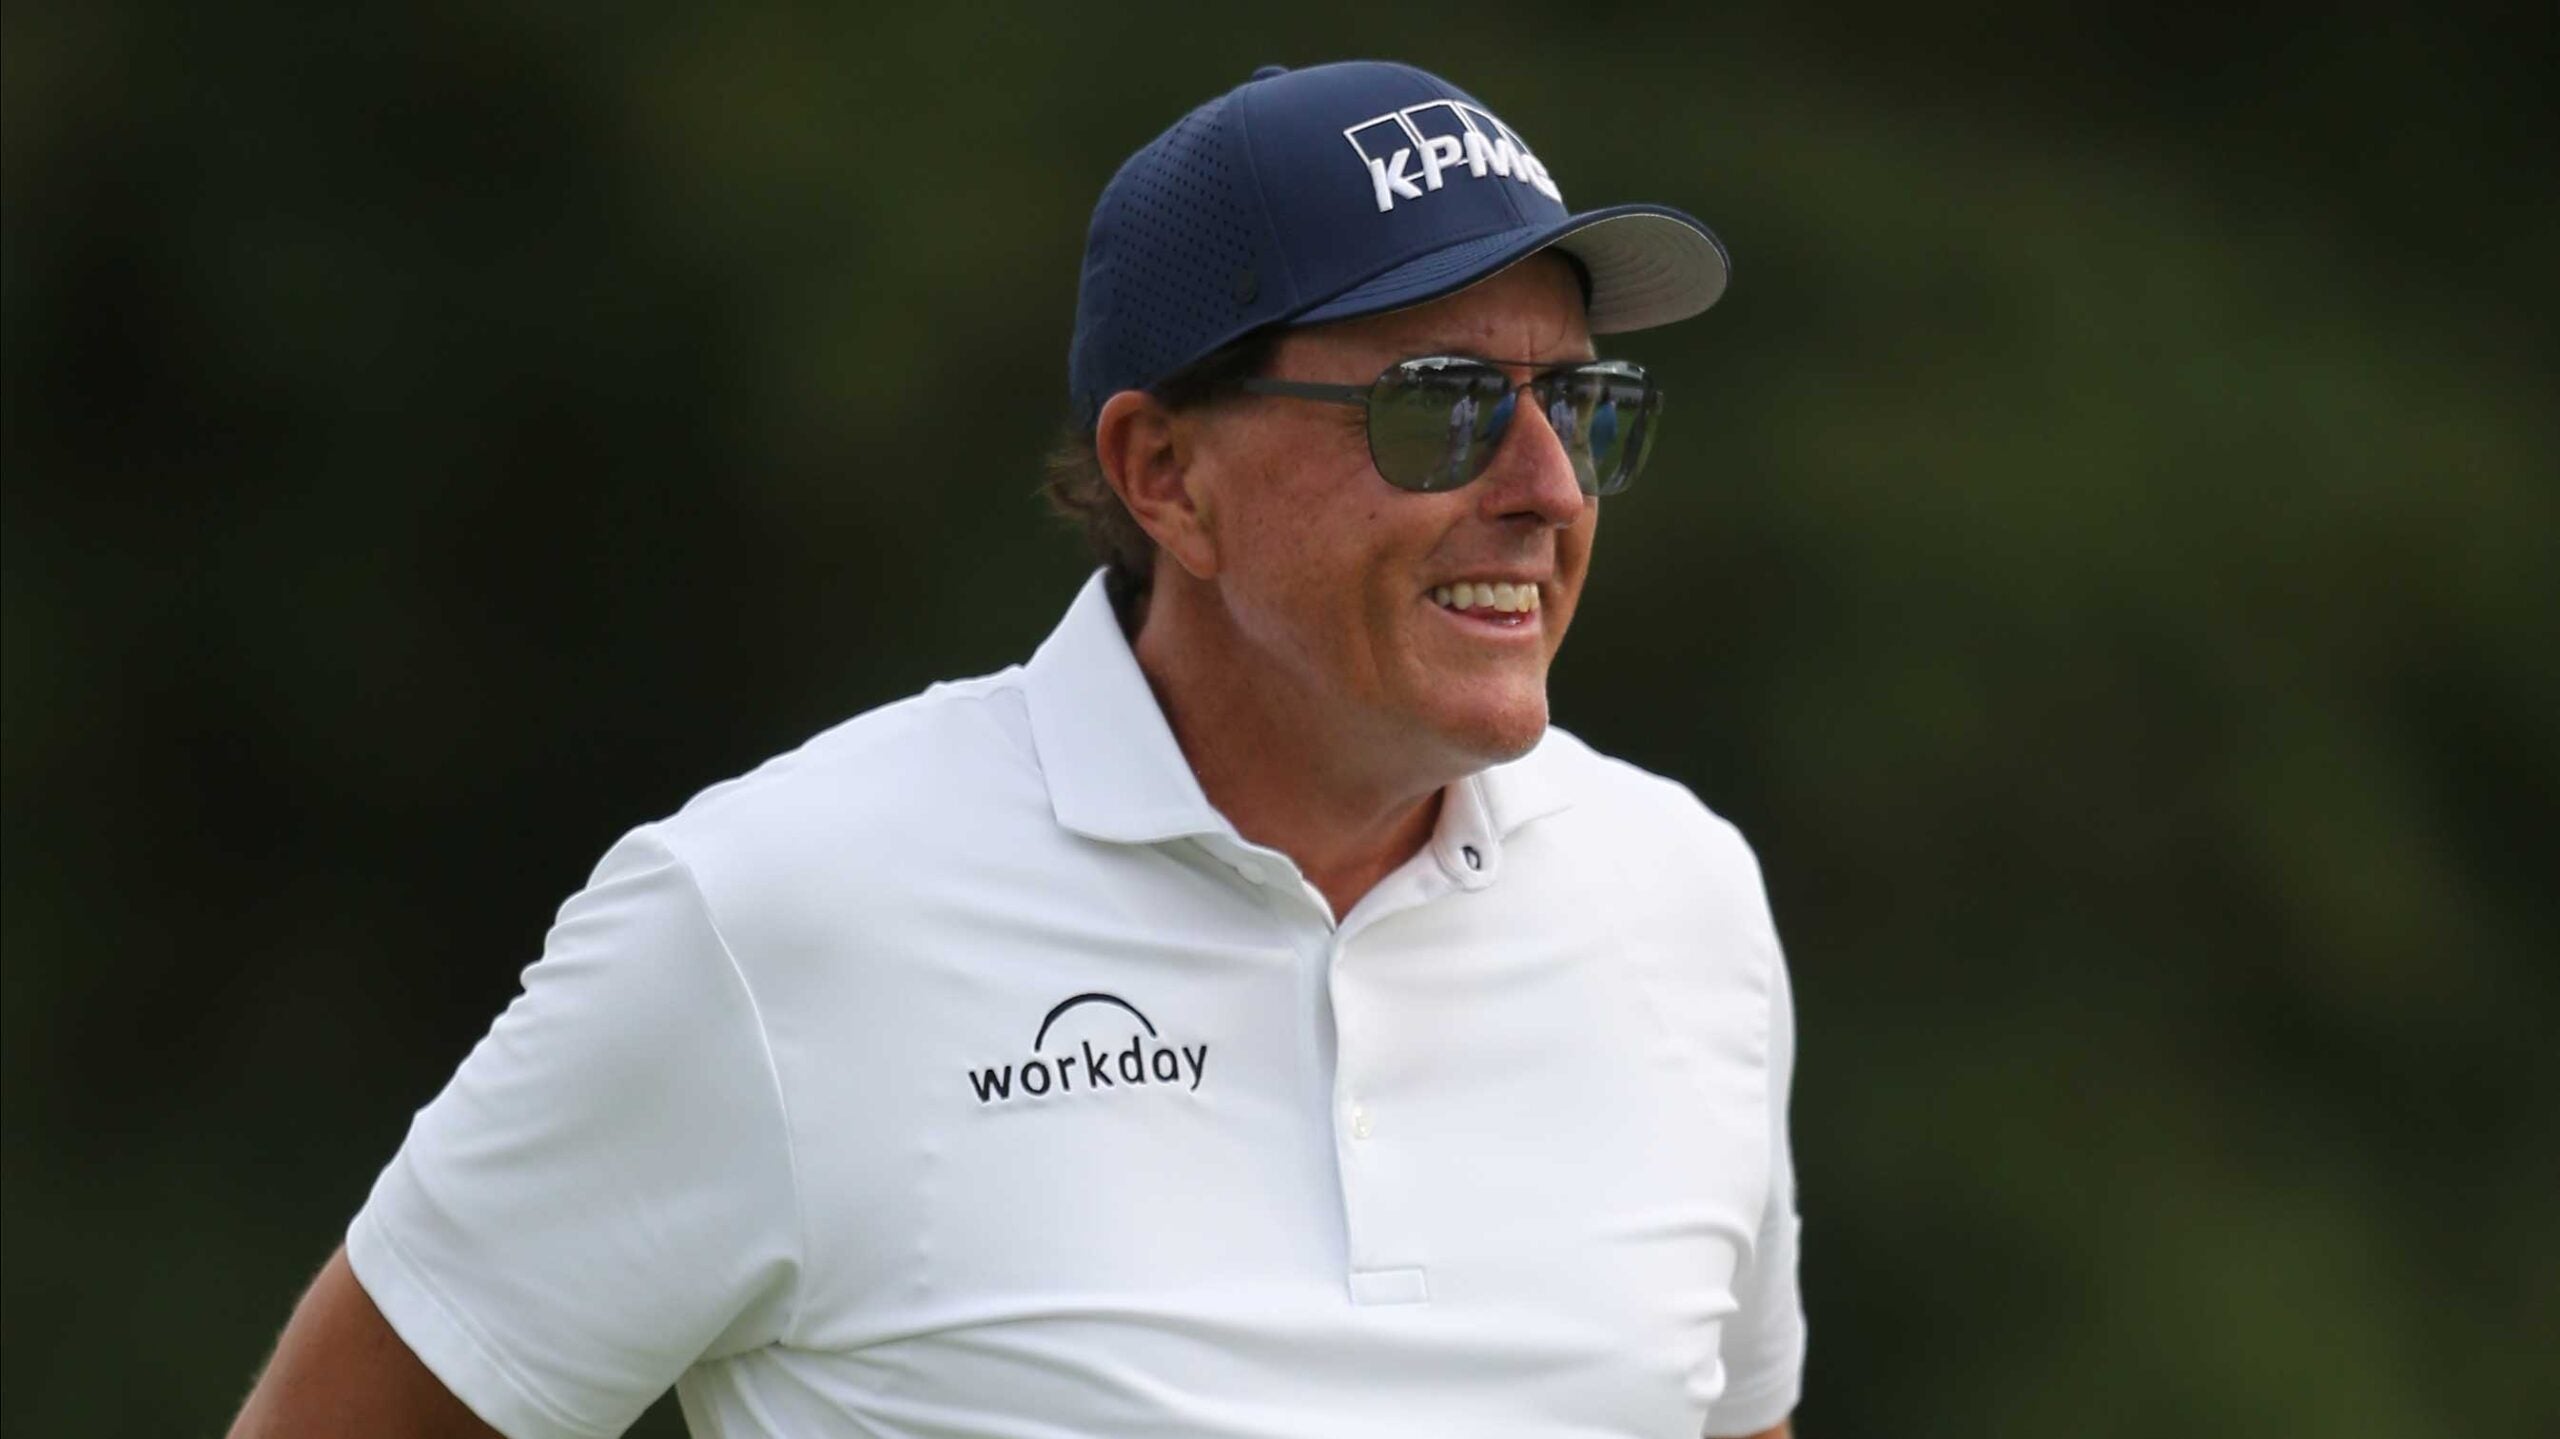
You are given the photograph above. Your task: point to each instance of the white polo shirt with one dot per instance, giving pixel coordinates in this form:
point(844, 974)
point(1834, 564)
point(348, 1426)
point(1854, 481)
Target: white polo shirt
point(964, 1073)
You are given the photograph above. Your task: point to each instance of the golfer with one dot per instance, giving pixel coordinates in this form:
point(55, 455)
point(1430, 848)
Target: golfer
point(1251, 1017)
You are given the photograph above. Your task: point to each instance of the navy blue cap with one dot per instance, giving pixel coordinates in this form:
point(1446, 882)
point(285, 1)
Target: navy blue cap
point(1303, 196)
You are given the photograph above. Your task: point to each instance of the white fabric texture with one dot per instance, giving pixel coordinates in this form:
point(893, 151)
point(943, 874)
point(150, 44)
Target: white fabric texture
point(964, 1073)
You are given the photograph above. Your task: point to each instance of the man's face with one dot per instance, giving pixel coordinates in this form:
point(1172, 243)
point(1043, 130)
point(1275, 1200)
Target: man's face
point(1333, 578)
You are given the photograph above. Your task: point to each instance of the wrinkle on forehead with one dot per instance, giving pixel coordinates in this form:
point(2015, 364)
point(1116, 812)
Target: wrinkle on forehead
point(1531, 311)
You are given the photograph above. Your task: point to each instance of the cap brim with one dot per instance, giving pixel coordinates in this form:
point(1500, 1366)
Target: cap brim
point(1649, 265)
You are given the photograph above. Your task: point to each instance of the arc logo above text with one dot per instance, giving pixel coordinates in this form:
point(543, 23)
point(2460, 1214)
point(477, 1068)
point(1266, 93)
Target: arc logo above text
point(1144, 1060)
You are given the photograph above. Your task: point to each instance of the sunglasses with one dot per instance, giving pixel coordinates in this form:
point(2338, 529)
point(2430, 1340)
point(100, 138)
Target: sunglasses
point(1435, 423)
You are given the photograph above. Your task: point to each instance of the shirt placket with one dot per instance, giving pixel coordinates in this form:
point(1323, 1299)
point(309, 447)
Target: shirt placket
point(1385, 1239)
point(1383, 1253)
point(1385, 1233)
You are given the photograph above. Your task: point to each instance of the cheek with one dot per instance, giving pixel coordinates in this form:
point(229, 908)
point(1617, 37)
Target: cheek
point(1573, 565)
point(1301, 552)
point(1319, 513)
point(1303, 543)
point(1321, 559)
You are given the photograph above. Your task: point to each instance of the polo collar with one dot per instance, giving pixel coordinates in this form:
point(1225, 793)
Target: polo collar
point(1115, 772)
point(1524, 789)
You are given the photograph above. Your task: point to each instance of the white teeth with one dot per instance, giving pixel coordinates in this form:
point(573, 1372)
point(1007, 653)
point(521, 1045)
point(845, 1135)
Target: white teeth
point(1509, 599)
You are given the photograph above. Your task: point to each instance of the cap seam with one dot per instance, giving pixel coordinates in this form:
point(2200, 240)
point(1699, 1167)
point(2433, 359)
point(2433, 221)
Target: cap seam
point(1262, 207)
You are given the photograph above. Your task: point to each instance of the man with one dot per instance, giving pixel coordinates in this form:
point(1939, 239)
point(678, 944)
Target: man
point(1565, 421)
point(1249, 1018)
point(1462, 434)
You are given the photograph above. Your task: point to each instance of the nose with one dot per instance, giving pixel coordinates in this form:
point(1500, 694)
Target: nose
point(1531, 477)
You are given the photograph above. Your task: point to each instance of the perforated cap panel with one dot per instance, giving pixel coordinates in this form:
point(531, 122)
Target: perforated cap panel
point(1173, 262)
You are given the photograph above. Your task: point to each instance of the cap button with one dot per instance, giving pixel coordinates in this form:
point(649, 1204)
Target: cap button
point(1267, 71)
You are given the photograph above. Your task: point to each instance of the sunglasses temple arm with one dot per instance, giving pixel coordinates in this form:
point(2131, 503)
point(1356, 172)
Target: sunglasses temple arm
point(1310, 390)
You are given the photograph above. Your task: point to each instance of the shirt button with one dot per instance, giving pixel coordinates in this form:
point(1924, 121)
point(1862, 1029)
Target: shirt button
point(1359, 1121)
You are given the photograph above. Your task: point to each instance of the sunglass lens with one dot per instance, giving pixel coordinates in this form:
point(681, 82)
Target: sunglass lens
point(1603, 414)
point(1434, 425)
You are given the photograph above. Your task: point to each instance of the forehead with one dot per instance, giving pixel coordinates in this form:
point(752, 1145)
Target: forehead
point(1531, 311)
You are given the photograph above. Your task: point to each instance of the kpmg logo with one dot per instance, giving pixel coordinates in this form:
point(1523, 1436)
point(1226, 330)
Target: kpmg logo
point(1112, 1066)
point(1415, 150)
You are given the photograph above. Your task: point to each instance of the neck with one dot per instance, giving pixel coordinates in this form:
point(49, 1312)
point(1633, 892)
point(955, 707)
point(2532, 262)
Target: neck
point(1277, 762)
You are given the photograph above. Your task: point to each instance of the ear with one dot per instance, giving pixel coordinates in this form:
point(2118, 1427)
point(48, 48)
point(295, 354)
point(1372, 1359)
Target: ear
point(1146, 452)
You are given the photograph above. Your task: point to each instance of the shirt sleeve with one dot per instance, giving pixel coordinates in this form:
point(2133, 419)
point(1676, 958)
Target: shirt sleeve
point(1764, 1341)
point(604, 1192)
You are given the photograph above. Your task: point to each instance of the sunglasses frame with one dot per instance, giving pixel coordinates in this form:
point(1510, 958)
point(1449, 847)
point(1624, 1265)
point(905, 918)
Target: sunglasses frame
point(1366, 397)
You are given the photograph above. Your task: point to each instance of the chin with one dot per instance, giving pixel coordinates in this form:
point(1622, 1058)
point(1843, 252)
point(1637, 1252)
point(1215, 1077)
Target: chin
point(1495, 735)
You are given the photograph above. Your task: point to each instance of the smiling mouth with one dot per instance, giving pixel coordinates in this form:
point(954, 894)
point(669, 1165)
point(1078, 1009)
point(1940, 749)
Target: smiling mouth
point(1497, 603)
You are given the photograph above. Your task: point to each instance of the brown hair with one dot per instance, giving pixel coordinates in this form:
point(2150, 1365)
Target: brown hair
point(1079, 493)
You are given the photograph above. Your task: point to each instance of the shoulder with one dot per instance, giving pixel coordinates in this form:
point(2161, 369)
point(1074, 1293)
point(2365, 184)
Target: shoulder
point(1649, 828)
point(1647, 808)
point(870, 803)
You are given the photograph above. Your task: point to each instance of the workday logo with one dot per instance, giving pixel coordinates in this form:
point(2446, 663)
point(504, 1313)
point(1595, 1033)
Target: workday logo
point(1415, 150)
point(1063, 1070)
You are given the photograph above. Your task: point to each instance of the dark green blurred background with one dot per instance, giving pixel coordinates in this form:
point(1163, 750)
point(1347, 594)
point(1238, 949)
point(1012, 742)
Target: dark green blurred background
point(2103, 554)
